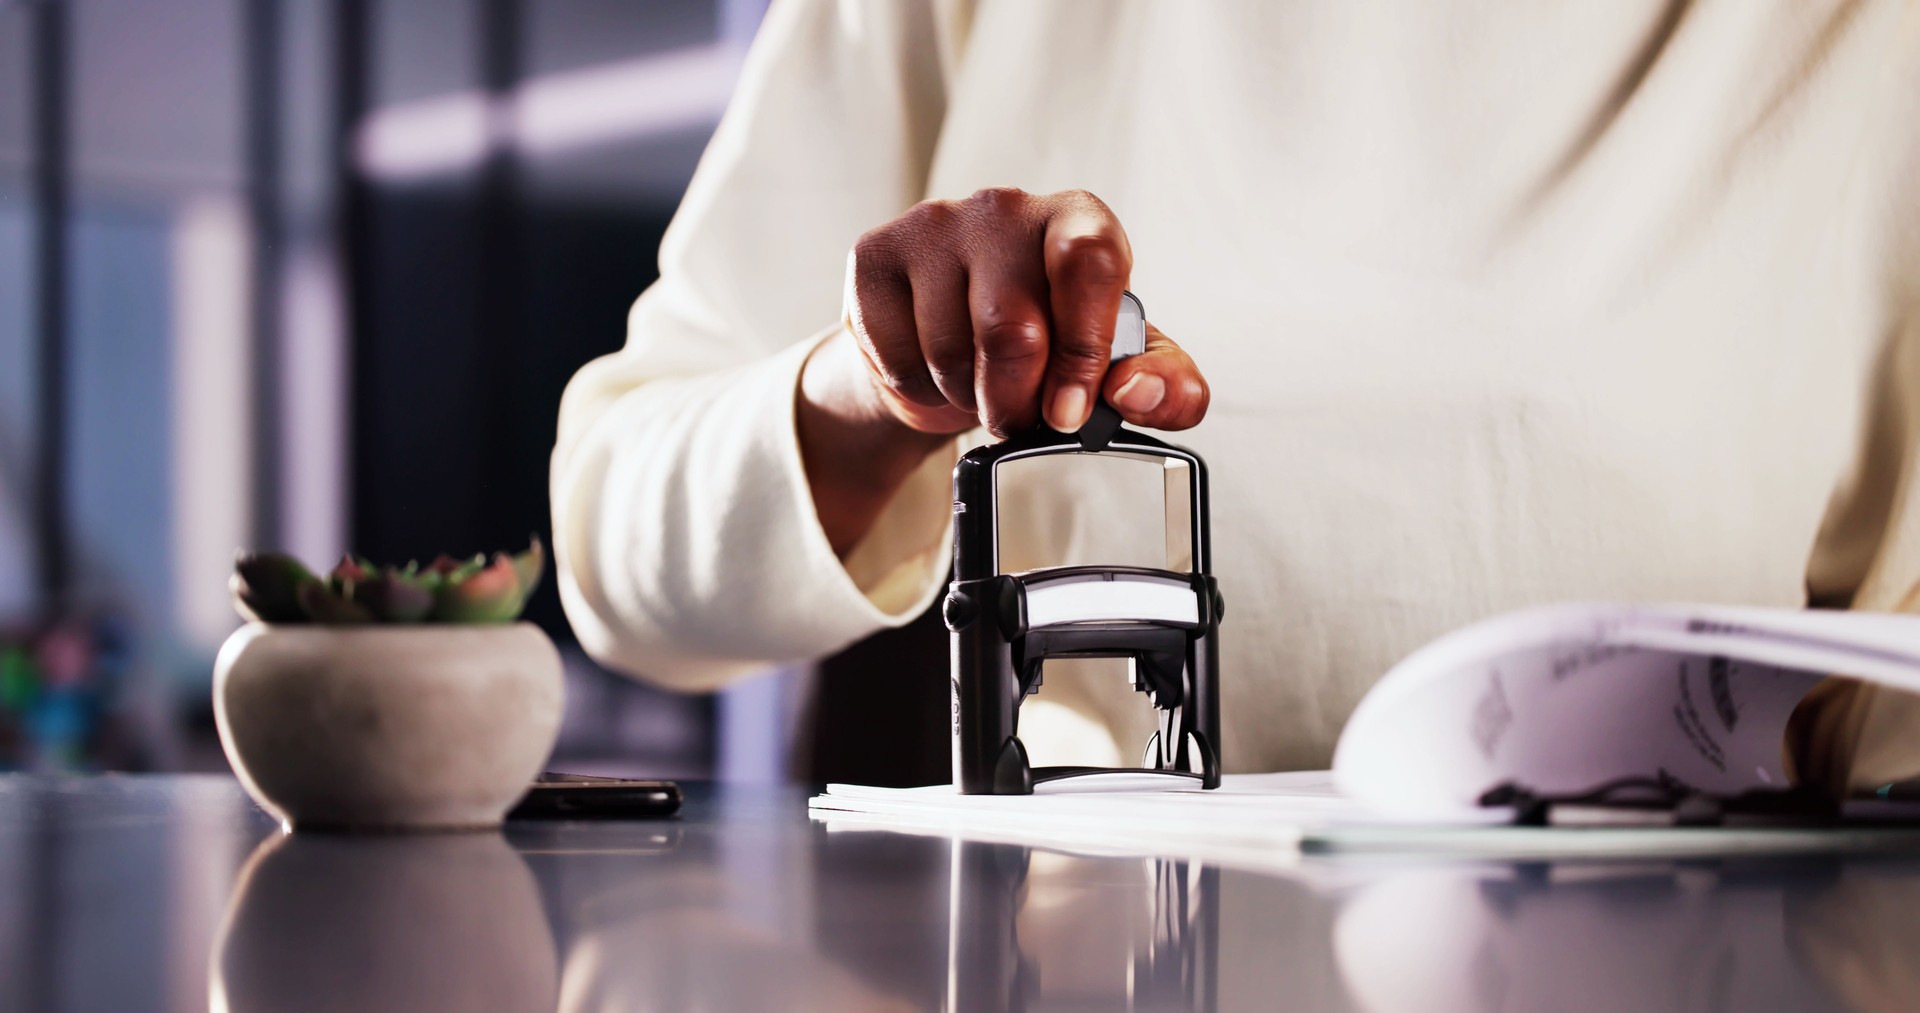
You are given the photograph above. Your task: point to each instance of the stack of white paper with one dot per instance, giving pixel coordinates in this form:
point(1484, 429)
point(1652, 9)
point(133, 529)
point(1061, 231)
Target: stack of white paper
point(1258, 818)
point(1267, 820)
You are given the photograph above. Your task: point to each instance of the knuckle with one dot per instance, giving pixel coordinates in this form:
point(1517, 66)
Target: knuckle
point(888, 371)
point(1186, 403)
point(914, 386)
point(1079, 362)
point(1091, 260)
point(1002, 420)
point(955, 386)
point(1012, 339)
point(948, 375)
point(1000, 201)
point(875, 249)
point(950, 353)
point(932, 215)
point(1082, 200)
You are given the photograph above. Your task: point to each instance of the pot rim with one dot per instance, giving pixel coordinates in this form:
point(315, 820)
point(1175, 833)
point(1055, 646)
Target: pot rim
point(383, 627)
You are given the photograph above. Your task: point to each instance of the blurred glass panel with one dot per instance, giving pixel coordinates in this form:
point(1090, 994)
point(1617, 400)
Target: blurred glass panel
point(156, 98)
point(16, 91)
point(18, 361)
point(119, 414)
point(569, 34)
point(423, 48)
point(18, 364)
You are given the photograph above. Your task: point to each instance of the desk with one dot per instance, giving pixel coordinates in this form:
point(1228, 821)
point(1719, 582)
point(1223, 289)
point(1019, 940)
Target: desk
point(131, 893)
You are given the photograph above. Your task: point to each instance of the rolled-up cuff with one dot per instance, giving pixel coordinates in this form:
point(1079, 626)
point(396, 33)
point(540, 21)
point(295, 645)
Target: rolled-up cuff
point(690, 548)
point(901, 564)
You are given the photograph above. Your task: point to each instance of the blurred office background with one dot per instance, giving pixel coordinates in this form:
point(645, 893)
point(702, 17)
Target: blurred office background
point(312, 274)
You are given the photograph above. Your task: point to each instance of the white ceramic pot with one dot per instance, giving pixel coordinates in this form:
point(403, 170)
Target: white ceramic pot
point(418, 727)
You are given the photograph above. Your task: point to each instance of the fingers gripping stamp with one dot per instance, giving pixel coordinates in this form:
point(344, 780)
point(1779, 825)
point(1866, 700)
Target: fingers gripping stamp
point(1006, 625)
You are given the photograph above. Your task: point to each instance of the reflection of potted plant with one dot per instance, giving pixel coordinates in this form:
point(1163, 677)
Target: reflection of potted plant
point(453, 921)
point(387, 697)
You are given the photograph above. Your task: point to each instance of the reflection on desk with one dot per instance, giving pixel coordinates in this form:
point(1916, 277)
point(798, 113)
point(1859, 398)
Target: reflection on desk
point(333, 922)
point(174, 893)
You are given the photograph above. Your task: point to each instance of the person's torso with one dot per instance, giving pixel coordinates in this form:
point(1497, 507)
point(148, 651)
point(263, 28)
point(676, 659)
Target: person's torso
point(1499, 304)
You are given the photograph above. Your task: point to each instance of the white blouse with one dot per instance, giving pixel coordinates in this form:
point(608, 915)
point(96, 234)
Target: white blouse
point(1500, 305)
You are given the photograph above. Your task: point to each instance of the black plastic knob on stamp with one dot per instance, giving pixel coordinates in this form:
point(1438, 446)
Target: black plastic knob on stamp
point(1005, 626)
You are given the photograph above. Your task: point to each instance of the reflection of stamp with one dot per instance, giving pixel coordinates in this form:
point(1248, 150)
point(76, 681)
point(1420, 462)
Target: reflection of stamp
point(1491, 716)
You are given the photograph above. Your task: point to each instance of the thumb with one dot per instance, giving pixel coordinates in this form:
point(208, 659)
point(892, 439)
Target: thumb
point(1160, 388)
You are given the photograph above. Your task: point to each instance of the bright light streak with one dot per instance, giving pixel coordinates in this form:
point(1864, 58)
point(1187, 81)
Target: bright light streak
point(212, 438)
point(552, 114)
point(426, 138)
point(313, 414)
point(621, 101)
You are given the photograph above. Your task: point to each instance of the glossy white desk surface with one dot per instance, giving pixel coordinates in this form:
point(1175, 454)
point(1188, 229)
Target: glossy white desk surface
point(134, 893)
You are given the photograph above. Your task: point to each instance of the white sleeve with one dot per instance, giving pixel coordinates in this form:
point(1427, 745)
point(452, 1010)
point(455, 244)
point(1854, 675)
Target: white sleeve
point(685, 536)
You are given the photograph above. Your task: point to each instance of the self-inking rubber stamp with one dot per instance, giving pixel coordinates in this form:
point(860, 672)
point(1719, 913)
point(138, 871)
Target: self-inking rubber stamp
point(1006, 625)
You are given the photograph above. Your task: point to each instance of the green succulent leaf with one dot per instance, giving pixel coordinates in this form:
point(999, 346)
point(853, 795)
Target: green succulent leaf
point(325, 605)
point(457, 570)
point(266, 587)
point(491, 594)
point(394, 596)
point(351, 571)
point(272, 587)
point(529, 566)
point(468, 569)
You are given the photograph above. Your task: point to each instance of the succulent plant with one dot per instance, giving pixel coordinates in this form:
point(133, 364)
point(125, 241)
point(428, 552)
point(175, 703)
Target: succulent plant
point(270, 587)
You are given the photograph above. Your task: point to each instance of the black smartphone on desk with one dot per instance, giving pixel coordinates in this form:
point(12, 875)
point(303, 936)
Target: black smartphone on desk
point(584, 797)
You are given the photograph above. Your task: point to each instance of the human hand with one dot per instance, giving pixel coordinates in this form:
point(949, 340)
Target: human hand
point(999, 310)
